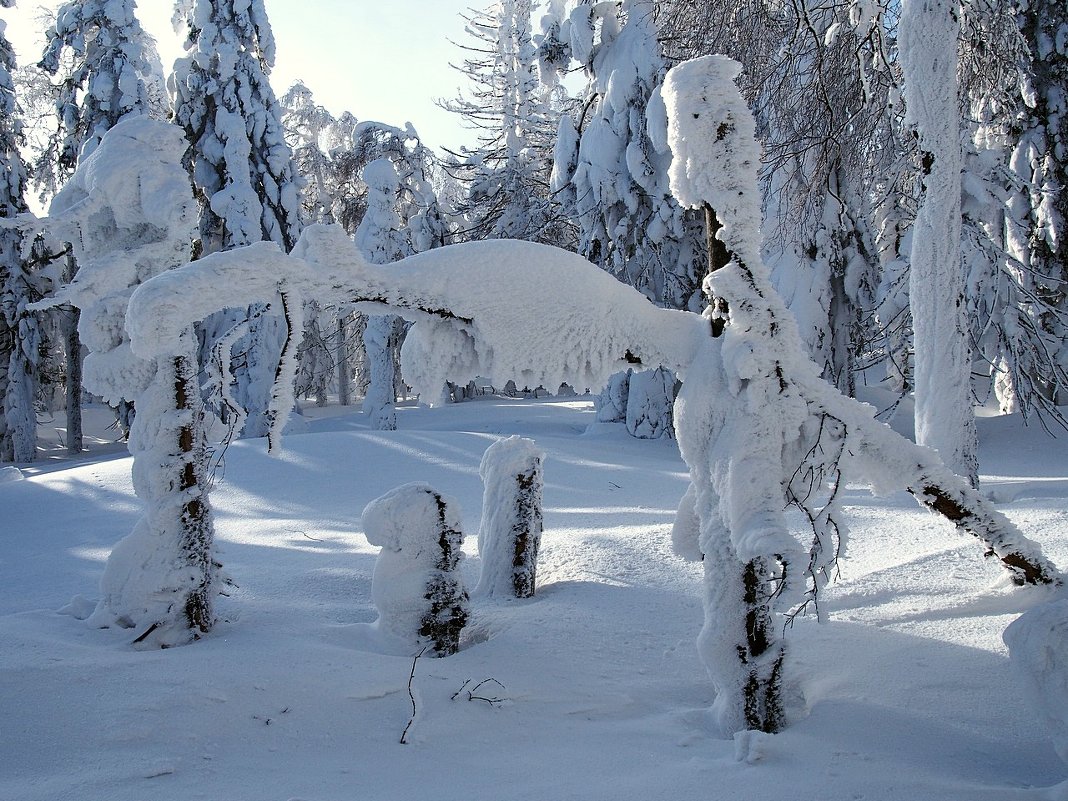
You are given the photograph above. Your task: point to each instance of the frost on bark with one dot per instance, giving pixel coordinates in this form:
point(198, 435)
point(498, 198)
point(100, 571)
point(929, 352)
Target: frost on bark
point(510, 533)
point(417, 587)
point(945, 420)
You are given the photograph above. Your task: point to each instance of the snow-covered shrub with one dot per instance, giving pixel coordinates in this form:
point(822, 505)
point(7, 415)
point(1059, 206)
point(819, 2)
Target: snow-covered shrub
point(650, 396)
point(1038, 649)
point(510, 533)
point(417, 587)
point(611, 403)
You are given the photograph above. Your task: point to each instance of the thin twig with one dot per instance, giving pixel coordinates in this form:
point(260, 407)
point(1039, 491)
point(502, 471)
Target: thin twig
point(411, 695)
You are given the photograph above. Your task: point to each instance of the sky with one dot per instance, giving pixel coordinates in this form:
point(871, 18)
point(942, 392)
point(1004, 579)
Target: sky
point(384, 60)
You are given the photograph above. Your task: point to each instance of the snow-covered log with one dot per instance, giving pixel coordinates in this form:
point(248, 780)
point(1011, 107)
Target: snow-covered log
point(510, 533)
point(417, 587)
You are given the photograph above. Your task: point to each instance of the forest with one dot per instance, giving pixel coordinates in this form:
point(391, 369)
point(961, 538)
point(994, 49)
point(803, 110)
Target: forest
point(786, 277)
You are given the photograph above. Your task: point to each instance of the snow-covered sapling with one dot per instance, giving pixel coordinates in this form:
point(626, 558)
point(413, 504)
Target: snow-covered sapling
point(510, 533)
point(650, 396)
point(417, 587)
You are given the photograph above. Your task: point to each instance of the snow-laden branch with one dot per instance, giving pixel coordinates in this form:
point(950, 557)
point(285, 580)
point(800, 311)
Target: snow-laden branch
point(500, 309)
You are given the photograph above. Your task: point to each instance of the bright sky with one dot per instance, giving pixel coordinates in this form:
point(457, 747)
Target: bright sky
point(384, 60)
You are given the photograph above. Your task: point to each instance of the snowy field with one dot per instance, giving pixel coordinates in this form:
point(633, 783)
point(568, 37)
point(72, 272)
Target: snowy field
point(592, 690)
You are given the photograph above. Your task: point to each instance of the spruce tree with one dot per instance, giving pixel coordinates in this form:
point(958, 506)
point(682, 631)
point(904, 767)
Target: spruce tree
point(242, 168)
point(20, 334)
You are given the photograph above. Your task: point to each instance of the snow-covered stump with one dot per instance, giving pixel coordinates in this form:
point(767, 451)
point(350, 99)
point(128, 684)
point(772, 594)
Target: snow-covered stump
point(417, 587)
point(510, 533)
point(650, 397)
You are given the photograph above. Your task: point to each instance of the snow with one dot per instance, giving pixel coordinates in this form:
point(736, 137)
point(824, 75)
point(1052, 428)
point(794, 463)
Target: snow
point(510, 516)
point(465, 326)
point(409, 523)
point(907, 693)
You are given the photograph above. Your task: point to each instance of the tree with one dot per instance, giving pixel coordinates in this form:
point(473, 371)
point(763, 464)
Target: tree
point(130, 211)
point(760, 430)
point(242, 169)
point(928, 34)
point(506, 176)
point(20, 337)
point(109, 71)
point(114, 73)
point(402, 219)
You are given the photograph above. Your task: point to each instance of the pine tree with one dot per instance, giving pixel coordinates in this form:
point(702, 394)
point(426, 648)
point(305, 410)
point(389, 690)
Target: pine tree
point(402, 218)
point(242, 168)
point(109, 71)
point(114, 73)
point(19, 329)
point(506, 176)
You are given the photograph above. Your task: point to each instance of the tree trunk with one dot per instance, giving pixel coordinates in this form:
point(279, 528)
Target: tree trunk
point(72, 346)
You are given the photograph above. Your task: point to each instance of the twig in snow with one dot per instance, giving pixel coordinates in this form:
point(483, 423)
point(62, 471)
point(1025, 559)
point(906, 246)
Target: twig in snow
point(471, 694)
point(411, 695)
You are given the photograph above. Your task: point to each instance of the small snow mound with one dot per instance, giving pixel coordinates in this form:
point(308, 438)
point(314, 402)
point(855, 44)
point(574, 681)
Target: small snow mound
point(750, 746)
point(1038, 650)
point(79, 607)
point(10, 474)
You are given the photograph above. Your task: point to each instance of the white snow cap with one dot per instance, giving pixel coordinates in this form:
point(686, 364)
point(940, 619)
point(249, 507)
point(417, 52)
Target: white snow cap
point(713, 140)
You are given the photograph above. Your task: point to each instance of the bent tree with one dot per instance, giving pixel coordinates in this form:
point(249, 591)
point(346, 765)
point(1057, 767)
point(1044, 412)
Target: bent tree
point(761, 431)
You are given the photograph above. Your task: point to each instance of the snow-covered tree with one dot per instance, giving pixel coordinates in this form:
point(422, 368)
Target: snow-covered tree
point(130, 212)
point(242, 168)
point(20, 337)
point(760, 431)
point(628, 222)
point(506, 175)
point(108, 69)
point(928, 33)
point(402, 218)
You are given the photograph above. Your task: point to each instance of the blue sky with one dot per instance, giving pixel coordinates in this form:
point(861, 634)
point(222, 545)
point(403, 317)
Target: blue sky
point(385, 60)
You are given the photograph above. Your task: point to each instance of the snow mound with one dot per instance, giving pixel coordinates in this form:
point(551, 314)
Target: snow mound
point(1038, 649)
point(9, 474)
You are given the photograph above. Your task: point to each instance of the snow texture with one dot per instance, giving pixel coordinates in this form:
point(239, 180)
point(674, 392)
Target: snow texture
point(417, 587)
point(509, 535)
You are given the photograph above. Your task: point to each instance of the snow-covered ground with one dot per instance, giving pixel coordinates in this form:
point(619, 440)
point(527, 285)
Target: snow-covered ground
point(591, 690)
